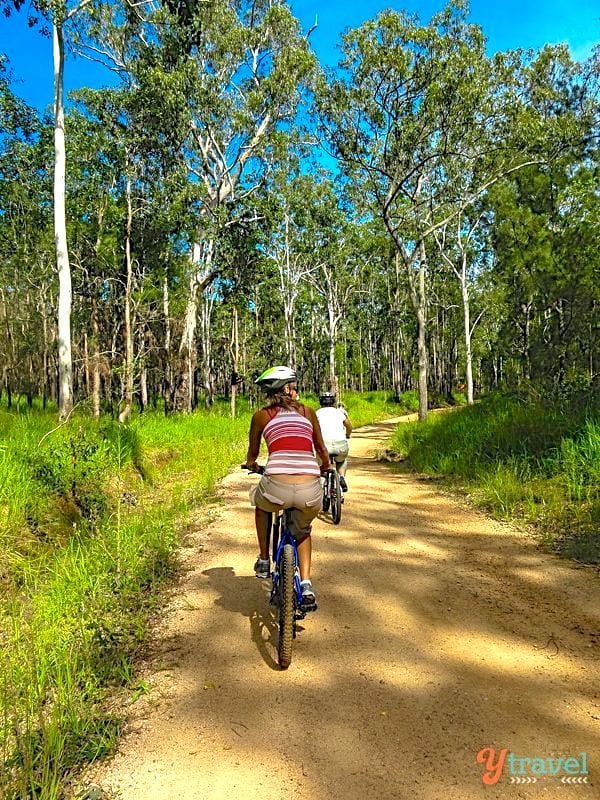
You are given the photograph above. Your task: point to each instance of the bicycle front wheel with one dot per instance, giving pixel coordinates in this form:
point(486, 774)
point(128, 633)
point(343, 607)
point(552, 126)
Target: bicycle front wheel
point(286, 606)
point(336, 498)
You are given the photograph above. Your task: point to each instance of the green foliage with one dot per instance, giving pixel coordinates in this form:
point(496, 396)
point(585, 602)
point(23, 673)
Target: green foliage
point(529, 458)
point(76, 604)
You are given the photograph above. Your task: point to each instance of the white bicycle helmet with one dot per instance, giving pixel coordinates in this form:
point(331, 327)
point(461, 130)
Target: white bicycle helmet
point(275, 378)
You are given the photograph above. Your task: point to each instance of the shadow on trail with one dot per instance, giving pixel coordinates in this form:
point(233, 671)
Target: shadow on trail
point(245, 595)
point(437, 634)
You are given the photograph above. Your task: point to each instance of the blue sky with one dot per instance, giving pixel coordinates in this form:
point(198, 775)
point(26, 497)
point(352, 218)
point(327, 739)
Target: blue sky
point(507, 24)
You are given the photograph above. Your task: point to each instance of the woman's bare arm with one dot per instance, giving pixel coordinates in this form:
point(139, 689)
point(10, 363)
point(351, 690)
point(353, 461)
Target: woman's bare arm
point(257, 424)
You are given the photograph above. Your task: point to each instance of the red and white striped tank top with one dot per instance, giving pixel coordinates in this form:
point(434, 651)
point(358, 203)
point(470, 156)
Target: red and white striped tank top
point(289, 438)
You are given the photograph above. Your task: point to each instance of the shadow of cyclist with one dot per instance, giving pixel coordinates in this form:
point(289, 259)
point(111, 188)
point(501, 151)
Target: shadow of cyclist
point(244, 594)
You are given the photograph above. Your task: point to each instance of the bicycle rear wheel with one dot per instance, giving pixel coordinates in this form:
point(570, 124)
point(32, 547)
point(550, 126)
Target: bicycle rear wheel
point(286, 606)
point(326, 495)
point(336, 498)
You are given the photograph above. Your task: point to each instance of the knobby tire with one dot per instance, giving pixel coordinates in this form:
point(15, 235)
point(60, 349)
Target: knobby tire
point(326, 494)
point(336, 499)
point(286, 606)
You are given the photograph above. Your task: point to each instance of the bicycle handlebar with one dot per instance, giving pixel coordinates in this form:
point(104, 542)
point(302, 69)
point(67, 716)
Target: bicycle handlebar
point(261, 470)
point(257, 468)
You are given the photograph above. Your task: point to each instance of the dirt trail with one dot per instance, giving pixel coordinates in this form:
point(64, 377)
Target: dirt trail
point(439, 632)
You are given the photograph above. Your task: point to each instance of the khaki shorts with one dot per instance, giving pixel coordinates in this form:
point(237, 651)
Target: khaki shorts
point(304, 500)
point(339, 451)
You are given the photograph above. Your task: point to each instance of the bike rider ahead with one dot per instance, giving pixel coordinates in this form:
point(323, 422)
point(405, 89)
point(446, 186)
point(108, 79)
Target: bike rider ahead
point(336, 430)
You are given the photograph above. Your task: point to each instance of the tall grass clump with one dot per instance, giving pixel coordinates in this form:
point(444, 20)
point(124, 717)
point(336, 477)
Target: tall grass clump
point(92, 516)
point(534, 458)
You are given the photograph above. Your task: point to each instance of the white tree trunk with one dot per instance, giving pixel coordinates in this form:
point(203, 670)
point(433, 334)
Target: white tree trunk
point(199, 279)
point(143, 374)
point(468, 350)
point(333, 380)
point(128, 332)
point(422, 334)
point(168, 382)
point(95, 361)
point(206, 368)
point(235, 356)
point(65, 359)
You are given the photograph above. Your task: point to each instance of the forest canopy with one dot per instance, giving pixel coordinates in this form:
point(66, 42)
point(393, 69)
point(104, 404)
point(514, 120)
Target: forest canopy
point(423, 216)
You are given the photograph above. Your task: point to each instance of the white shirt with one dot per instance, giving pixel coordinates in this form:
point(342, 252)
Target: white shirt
point(331, 420)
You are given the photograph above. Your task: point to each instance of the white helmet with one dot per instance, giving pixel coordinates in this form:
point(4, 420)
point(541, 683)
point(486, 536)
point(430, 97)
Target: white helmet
point(275, 378)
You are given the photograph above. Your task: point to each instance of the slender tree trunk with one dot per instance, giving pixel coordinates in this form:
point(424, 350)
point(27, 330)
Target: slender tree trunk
point(143, 373)
point(208, 378)
point(235, 355)
point(128, 332)
point(168, 388)
point(468, 351)
point(334, 383)
point(525, 329)
point(65, 360)
point(86, 365)
point(95, 360)
point(200, 278)
point(45, 363)
point(419, 301)
point(361, 382)
point(422, 334)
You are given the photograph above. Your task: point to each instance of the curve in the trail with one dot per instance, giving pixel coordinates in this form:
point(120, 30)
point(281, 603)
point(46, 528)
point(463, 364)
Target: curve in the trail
point(440, 634)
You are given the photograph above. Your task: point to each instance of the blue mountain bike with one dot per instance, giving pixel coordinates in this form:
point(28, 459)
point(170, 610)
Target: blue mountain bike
point(286, 592)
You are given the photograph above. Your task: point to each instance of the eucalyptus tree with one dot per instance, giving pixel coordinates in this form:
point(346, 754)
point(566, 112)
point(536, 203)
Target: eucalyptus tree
point(62, 15)
point(342, 256)
point(415, 107)
point(460, 249)
point(72, 19)
point(542, 226)
point(26, 278)
point(298, 208)
point(245, 66)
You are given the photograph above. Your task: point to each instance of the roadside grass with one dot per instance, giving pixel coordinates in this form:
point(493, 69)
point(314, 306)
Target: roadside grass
point(532, 460)
point(93, 514)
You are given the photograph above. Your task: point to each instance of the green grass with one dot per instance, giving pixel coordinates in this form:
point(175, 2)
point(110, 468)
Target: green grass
point(532, 460)
point(93, 514)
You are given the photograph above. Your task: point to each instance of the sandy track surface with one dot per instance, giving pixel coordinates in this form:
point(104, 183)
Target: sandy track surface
point(439, 632)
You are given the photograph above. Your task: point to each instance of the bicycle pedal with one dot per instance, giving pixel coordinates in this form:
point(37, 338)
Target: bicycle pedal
point(306, 607)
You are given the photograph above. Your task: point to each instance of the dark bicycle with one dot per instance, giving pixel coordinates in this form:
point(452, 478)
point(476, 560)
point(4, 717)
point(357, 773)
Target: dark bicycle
point(332, 492)
point(286, 592)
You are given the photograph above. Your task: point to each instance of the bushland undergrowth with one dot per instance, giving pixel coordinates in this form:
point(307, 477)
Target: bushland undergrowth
point(91, 516)
point(532, 457)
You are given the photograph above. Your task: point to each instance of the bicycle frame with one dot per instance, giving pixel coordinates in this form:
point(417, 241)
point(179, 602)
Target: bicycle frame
point(286, 590)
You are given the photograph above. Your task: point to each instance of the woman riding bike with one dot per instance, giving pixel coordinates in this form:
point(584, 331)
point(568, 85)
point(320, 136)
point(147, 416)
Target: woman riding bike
point(292, 474)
